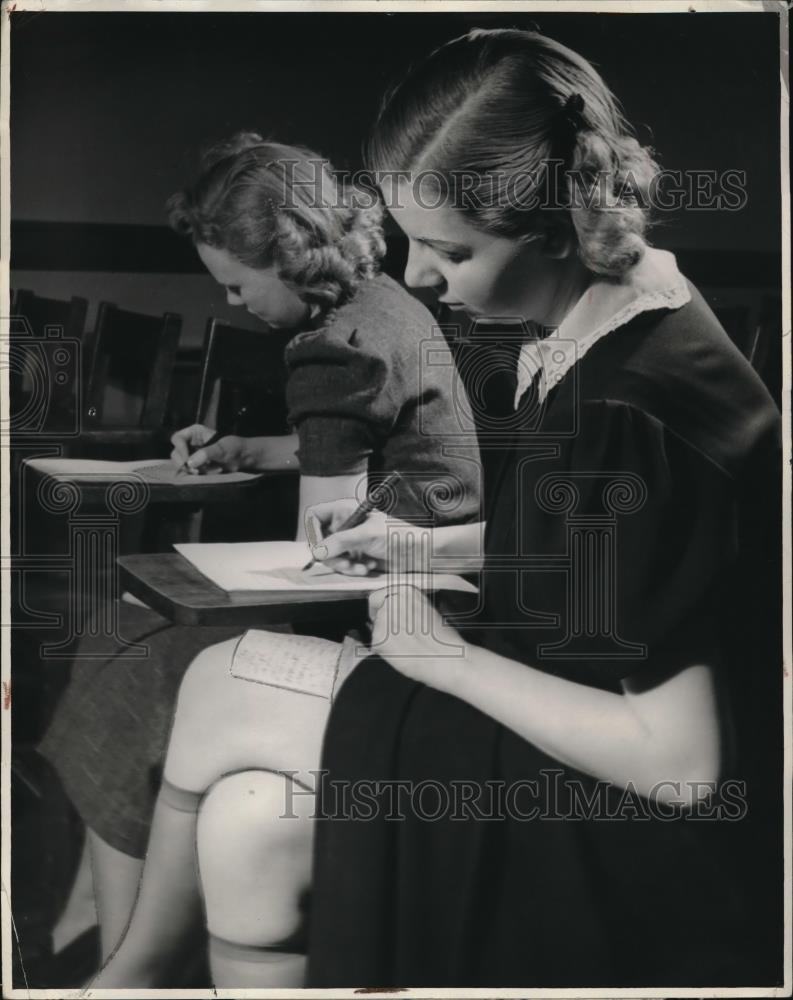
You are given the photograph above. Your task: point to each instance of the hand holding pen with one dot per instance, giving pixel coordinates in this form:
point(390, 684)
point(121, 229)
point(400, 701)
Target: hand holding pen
point(195, 449)
point(330, 530)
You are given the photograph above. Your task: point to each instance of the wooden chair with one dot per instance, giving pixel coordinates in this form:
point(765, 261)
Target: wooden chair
point(42, 313)
point(130, 373)
point(243, 378)
point(243, 390)
point(44, 379)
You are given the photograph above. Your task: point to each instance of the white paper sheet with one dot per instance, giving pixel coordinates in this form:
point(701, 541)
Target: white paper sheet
point(153, 470)
point(277, 566)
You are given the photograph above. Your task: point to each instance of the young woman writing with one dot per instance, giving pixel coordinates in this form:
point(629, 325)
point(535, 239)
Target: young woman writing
point(301, 253)
point(604, 751)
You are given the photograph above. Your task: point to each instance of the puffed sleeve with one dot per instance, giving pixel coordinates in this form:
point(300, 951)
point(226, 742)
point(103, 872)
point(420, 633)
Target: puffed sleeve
point(627, 536)
point(342, 399)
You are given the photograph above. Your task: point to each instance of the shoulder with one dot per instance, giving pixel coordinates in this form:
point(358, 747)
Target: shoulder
point(383, 294)
point(378, 336)
point(683, 373)
point(380, 316)
point(382, 311)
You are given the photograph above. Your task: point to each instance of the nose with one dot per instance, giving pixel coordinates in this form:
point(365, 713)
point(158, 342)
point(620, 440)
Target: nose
point(233, 298)
point(420, 270)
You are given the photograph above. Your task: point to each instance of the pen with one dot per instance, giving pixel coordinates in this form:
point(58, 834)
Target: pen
point(361, 512)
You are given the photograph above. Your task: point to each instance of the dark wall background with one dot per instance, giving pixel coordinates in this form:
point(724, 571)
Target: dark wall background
point(110, 111)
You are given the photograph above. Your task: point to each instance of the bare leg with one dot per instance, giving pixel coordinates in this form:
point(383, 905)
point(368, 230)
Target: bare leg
point(116, 876)
point(79, 913)
point(255, 863)
point(223, 724)
point(168, 905)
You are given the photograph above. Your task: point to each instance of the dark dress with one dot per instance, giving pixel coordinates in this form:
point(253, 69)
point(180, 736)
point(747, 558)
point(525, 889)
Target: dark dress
point(360, 399)
point(639, 514)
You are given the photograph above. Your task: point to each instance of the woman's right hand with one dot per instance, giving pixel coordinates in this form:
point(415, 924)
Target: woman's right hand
point(228, 454)
point(380, 542)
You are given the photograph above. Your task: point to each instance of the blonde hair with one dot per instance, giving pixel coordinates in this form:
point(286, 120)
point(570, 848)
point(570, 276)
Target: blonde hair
point(495, 106)
point(271, 204)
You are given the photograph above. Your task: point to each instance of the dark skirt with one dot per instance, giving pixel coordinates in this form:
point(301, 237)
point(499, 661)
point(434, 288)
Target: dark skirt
point(438, 865)
point(108, 738)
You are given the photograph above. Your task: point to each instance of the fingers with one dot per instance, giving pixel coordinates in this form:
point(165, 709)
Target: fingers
point(327, 517)
point(215, 454)
point(314, 533)
point(185, 440)
point(352, 567)
point(411, 599)
point(354, 551)
point(343, 551)
point(376, 601)
point(352, 542)
point(401, 610)
point(378, 618)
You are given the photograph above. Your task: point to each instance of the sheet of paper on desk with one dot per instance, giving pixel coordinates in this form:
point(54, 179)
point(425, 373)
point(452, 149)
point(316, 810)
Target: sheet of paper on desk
point(153, 470)
point(277, 566)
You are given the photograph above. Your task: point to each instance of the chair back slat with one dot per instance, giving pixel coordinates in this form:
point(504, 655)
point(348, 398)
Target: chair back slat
point(45, 379)
point(243, 378)
point(131, 369)
point(43, 313)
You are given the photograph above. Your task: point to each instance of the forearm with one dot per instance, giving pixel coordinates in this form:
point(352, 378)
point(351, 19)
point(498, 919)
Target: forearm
point(271, 454)
point(458, 546)
point(598, 732)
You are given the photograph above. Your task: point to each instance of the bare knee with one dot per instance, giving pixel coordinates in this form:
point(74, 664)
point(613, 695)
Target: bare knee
point(225, 723)
point(254, 855)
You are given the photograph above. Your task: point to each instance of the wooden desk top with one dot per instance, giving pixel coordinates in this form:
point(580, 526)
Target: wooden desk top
point(171, 585)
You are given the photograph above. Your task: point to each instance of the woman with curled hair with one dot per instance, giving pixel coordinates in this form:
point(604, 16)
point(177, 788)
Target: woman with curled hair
point(301, 252)
point(590, 786)
point(266, 202)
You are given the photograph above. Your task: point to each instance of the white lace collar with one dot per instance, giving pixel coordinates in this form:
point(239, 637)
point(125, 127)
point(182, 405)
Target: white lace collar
point(654, 283)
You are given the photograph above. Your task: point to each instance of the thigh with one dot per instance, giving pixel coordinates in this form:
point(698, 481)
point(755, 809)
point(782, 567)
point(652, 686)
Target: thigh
point(225, 723)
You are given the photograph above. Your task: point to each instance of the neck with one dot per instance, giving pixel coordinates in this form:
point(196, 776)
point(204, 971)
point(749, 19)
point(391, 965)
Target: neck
point(299, 317)
point(574, 279)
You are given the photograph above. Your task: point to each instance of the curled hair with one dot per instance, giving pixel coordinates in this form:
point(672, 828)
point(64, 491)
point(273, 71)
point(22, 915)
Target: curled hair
point(488, 111)
point(270, 204)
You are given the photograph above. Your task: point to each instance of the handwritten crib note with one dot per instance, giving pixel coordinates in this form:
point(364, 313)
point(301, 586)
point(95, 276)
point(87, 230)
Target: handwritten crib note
point(301, 663)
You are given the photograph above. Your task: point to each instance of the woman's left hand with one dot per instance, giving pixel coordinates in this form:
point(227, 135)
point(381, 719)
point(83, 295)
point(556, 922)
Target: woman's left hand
point(411, 635)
